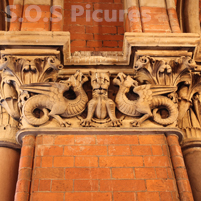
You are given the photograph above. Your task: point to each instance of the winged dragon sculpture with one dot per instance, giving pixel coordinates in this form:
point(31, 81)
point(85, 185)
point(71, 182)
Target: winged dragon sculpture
point(148, 99)
point(51, 98)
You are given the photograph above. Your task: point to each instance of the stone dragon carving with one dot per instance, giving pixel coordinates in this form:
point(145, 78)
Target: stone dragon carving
point(168, 91)
point(145, 103)
point(100, 105)
point(20, 71)
point(50, 97)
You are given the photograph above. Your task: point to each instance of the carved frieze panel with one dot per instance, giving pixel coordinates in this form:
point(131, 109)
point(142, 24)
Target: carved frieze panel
point(159, 93)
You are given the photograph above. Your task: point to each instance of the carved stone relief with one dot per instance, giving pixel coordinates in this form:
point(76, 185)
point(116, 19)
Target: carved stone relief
point(15, 73)
point(183, 76)
point(160, 92)
point(50, 96)
point(100, 106)
point(148, 99)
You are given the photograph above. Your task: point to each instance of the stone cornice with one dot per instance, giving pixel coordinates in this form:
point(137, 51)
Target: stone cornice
point(16, 41)
point(61, 40)
point(146, 41)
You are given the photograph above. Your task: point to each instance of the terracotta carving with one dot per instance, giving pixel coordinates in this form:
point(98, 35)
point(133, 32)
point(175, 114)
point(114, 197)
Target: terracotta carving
point(144, 104)
point(51, 97)
point(165, 87)
point(100, 106)
point(19, 71)
point(182, 74)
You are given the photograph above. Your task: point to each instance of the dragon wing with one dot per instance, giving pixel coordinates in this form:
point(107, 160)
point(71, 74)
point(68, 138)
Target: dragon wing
point(49, 89)
point(146, 92)
point(158, 90)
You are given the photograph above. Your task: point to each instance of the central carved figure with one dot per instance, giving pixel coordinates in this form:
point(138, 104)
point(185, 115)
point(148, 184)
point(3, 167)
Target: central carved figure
point(100, 105)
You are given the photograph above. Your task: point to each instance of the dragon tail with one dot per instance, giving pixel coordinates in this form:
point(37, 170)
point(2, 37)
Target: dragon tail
point(162, 101)
point(36, 103)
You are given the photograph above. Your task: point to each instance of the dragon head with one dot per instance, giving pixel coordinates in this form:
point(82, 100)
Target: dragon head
point(77, 79)
point(123, 80)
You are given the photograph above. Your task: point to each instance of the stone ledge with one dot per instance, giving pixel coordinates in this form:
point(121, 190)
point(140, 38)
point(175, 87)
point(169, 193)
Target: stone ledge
point(22, 40)
point(143, 41)
point(9, 145)
point(91, 131)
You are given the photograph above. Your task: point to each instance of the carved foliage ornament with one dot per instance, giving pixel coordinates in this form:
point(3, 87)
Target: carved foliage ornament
point(164, 91)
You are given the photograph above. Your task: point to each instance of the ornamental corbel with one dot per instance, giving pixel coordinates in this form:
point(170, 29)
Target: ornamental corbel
point(184, 75)
point(16, 72)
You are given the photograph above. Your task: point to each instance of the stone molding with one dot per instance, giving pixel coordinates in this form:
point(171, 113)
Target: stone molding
point(161, 41)
point(98, 131)
point(38, 42)
point(61, 41)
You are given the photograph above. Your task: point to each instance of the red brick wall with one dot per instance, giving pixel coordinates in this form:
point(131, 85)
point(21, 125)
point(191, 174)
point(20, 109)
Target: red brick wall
point(90, 35)
point(102, 168)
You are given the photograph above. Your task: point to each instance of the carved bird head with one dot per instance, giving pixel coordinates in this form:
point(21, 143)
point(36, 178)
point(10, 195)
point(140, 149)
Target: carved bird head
point(54, 63)
point(141, 62)
point(187, 62)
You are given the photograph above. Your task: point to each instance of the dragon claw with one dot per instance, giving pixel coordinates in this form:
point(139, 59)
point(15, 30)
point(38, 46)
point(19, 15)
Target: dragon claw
point(116, 123)
point(65, 124)
point(86, 123)
point(135, 123)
